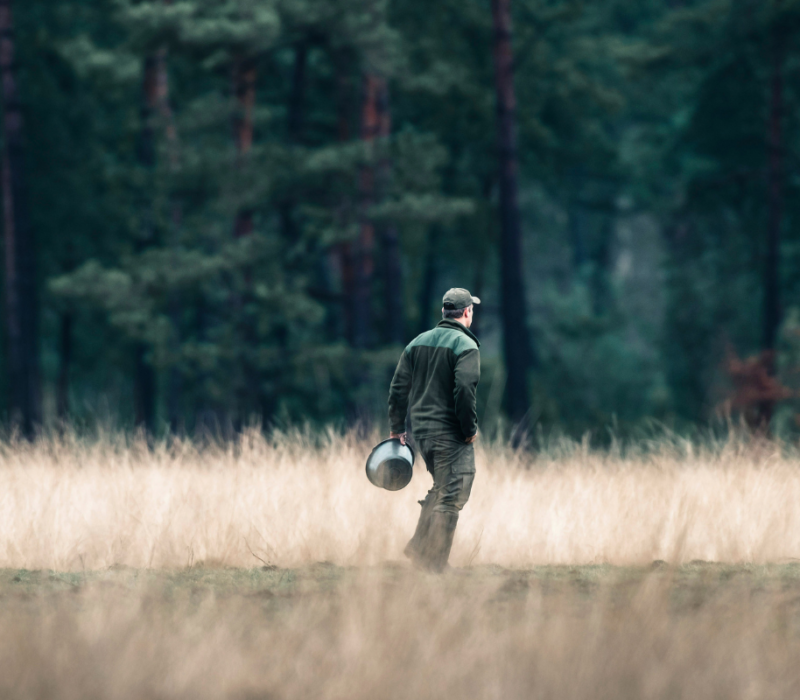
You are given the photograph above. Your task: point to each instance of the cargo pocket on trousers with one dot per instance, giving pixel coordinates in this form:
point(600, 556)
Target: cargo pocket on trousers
point(464, 461)
point(465, 489)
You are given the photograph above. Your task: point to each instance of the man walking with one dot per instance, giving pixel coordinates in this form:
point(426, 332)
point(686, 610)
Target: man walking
point(435, 381)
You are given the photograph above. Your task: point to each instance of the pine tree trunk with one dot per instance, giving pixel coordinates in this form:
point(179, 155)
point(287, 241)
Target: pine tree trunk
point(516, 340)
point(22, 308)
point(64, 363)
point(144, 378)
point(244, 86)
point(174, 380)
point(482, 253)
point(365, 244)
point(776, 203)
point(393, 271)
point(601, 292)
point(247, 393)
point(393, 286)
point(294, 129)
point(477, 290)
point(297, 97)
point(772, 305)
point(577, 220)
point(156, 108)
point(343, 252)
point(144, 389)
point(167, 119)
point(427, 289)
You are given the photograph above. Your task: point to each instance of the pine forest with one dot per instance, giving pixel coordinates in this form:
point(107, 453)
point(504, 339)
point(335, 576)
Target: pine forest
point(221, 213)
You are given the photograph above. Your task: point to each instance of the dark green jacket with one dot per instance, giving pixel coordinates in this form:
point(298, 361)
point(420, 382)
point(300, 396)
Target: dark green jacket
point(436, 379)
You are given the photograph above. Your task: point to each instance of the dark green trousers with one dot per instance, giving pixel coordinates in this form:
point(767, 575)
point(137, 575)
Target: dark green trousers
point(451, 461)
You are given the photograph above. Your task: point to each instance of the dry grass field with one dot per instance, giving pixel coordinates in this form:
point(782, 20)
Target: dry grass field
point(273, 569)
point(72, 505)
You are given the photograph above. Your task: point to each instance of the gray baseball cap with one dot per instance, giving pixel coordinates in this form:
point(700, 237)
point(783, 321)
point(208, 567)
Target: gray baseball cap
point(458, 298)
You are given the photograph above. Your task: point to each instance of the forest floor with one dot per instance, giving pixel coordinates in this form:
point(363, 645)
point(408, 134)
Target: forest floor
point(291, 585)
point(697, 630)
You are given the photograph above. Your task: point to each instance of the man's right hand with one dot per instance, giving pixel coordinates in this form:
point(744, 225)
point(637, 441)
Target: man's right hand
point(472, 439)
point(399, 436)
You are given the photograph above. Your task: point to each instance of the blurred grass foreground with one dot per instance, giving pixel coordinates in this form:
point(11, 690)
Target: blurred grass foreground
point(321, 631)
point(271, 568)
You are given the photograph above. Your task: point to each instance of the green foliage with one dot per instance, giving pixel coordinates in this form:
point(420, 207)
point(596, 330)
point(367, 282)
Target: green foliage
point(238, 318)
point(643, 134)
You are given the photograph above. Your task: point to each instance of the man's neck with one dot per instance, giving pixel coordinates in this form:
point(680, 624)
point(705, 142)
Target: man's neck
point(463, 325)
point(459, 321)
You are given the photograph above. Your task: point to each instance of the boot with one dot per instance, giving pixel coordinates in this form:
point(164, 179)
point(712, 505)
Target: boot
point(416, 545)
point(440, 540)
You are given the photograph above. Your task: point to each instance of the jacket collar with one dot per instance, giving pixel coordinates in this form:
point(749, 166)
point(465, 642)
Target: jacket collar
point(455, 325)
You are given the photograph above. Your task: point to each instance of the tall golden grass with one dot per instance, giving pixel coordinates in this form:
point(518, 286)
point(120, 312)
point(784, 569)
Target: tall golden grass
point(73, 504)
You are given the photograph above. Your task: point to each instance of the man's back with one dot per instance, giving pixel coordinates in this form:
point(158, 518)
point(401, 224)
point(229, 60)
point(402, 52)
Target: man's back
point(436, 380)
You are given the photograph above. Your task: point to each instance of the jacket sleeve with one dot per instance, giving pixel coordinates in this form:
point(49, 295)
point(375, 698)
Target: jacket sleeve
point(398, 394)
point(467, 375)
